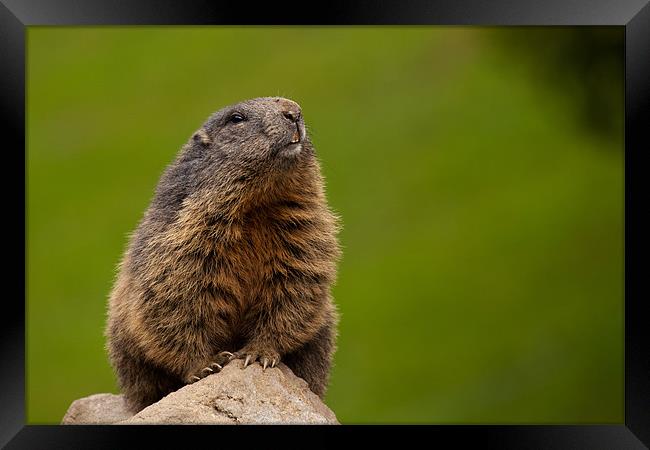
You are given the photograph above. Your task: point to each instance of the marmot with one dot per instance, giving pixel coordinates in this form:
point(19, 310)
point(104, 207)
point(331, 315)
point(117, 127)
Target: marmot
point(234, 258)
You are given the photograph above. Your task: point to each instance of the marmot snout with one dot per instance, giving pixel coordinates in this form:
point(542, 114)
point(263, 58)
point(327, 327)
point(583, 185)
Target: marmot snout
point(234, 258)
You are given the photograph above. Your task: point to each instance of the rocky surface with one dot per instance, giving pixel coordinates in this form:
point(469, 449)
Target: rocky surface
point(97, 409)
point(233, 396)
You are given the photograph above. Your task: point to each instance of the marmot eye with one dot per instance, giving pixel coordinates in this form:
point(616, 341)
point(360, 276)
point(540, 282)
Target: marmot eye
point(236, 118)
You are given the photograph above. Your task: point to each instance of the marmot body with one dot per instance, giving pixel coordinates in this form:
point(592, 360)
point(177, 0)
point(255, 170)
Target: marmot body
point(236, 253)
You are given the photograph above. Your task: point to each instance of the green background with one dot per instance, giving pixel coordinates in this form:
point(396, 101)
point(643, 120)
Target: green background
point(478, 173)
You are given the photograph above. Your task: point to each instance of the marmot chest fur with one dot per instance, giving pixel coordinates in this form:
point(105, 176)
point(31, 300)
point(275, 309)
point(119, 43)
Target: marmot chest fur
point(234, 258)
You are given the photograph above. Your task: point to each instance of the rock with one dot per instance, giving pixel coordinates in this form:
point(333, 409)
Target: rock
point(97, 409)
point(233, 396)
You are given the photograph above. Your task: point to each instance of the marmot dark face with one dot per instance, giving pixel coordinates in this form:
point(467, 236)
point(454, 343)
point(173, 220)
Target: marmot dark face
point(234, 258)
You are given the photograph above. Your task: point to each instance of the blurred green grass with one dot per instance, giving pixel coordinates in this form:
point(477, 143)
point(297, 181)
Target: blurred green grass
point(482, 277)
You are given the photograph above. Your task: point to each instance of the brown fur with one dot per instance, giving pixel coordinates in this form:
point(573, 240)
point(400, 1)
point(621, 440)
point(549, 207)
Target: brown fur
point(243, 262)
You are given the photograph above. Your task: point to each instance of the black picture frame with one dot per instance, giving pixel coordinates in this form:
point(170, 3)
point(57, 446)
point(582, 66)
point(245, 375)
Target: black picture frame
point(633, 15)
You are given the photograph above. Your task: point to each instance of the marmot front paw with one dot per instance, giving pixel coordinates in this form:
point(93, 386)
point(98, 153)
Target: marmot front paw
point(213, 367)
point(265, 356)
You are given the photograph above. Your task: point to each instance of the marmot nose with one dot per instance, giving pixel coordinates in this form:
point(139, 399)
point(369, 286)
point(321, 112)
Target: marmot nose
point(292, 115)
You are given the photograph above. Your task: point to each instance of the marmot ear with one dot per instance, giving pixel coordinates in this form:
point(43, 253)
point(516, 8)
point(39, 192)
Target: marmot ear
point(202, 137)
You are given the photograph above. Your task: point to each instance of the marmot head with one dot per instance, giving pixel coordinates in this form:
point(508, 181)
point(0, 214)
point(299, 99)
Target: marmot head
point(257, 135)
point(250, 152)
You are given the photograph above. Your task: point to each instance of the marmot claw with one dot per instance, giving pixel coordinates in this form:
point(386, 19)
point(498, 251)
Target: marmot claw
point(229, 356)
point(265, 357)
point(212, 368)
